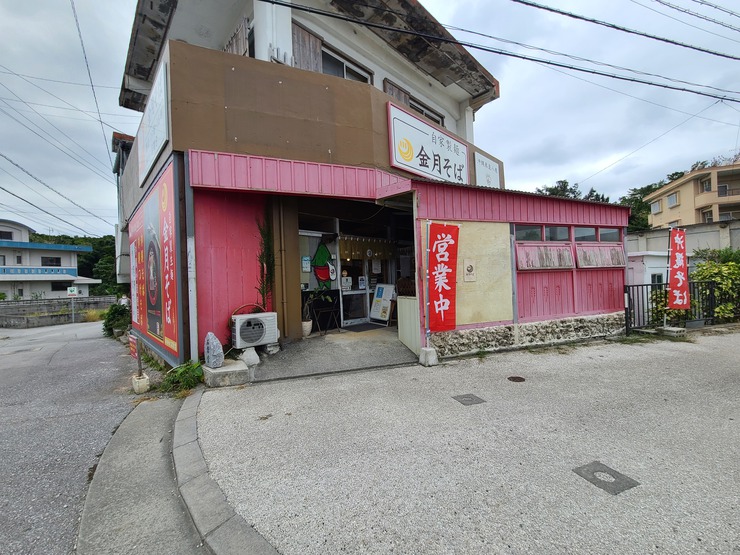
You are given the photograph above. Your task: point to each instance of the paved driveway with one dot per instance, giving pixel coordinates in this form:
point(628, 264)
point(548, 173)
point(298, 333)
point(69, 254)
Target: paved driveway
point(63, 391)
point(388, 462)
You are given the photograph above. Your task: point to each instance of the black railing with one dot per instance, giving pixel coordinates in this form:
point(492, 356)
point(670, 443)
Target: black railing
point(646, 306)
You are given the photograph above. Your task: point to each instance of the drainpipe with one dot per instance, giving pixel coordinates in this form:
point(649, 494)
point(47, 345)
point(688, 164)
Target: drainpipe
point(283, 286)
point(190, 246)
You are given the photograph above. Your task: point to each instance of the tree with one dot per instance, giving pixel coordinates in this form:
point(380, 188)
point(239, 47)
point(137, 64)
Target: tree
point(594, 196)
point(561, 189)
point(638, 220)
point(674, 175)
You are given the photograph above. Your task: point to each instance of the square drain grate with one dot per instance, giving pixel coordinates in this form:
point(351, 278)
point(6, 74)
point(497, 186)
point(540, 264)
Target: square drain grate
point(468, 399)
point(605, 478)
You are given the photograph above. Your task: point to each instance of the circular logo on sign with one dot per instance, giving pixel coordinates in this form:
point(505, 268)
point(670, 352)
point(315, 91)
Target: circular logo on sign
point(405, 149)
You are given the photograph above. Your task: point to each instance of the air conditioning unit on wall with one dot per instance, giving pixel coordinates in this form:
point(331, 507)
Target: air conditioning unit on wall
point(250, 330)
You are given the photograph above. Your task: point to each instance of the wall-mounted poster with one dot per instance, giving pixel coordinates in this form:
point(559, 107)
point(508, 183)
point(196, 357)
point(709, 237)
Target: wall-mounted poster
point(155, 267)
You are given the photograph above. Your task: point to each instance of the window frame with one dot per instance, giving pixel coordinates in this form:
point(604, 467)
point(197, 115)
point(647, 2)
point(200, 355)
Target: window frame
point(527, 228)
point(347, 63)
point(48, 261)
point(676, 201)
point(6, 235)
point(610, 229)
point(704, 219)
point(658, 204)
point(582, 228)
point(705, 185)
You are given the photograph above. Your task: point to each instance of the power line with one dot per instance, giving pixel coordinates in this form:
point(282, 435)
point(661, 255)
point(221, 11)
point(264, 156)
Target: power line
point(648, 143)
point(55, 96)
point(587, 60)
point(646, 100)
point(92, 156)
point(624, 29)
point(24, 170)
point(49, 213)
point(682, 22)
point(695, 14)
point(6, 172)
point(78, 160)
point(86, 112)
point(92, 86)
point(716, 7)
point(492, 50)
point(67, 82)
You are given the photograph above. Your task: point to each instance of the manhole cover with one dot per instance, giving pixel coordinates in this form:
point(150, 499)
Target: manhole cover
point(515, 379)
point(605, 478)
point(468, 399)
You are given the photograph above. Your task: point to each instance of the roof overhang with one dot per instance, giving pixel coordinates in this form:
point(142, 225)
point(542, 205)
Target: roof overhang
point(205, 23)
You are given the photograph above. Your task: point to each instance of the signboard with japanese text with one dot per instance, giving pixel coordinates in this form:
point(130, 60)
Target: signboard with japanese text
point(155, 266)
point(443, 244)
point(678, 280)
point(419, 148)
point(487, 173)
point(154, 128)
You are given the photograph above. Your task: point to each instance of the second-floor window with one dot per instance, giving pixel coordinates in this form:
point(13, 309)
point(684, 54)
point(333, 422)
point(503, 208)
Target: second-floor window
point(6, 235)
point(655, 207)
point(403, 97)
point(51, 261)
point(705, 185)
point(672, 200)
point(2, 260)
point(334, 64)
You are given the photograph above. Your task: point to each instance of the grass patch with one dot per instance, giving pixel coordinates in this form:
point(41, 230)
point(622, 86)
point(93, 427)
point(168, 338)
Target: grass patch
point(93, 315)
point(183, 377)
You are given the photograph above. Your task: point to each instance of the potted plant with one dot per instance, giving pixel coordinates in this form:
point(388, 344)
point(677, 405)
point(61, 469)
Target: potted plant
point(311, 298)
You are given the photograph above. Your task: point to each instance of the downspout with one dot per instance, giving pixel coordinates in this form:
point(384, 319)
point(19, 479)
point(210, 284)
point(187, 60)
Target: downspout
point(283, 286)
point(192, 283)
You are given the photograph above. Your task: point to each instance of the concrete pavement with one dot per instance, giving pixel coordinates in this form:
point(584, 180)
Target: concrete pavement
point(388, 461)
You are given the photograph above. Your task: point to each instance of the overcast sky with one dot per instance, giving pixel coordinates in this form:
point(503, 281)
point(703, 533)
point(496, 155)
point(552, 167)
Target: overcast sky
point(547, 125)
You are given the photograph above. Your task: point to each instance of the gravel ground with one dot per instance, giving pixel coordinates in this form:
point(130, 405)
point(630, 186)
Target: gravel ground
point(387, 462)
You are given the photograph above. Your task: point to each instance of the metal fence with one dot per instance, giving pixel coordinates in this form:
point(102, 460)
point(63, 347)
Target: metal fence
point(646, 305)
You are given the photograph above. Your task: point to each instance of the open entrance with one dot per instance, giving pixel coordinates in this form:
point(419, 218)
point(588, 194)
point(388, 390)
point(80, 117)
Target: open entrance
point(350, 252)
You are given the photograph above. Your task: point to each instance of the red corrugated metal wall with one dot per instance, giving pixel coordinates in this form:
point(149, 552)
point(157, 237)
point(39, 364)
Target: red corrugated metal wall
point(544, 295)
point(449, 202)
point(227, 242)
point(600, 291)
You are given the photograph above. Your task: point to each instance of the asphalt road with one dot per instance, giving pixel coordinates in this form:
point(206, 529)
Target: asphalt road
point(63, 392)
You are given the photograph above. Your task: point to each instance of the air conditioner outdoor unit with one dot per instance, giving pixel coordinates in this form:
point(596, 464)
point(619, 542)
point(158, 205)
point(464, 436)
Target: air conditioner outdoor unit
point(250, 330)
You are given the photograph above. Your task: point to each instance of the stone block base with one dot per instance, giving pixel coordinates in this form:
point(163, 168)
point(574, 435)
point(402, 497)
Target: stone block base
point(233, 372)
point(513, 336)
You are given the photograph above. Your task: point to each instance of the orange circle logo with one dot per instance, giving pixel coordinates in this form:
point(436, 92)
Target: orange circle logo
point(405, 149)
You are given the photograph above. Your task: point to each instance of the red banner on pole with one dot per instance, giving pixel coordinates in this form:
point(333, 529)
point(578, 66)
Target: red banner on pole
point(443, 240)
point(678, 276)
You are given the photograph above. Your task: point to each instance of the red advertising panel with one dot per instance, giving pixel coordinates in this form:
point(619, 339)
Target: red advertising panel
point(443, 241)
point(154, 264)
point(678, 280)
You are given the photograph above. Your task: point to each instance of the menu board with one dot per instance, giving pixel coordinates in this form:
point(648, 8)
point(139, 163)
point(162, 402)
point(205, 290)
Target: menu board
point(380, 309)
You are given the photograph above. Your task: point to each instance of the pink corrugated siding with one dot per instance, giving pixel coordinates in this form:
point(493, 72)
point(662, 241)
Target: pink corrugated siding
point(544, 295)
point(226, 248)
point(450, 202)
point(218, 170)
point(600, 291)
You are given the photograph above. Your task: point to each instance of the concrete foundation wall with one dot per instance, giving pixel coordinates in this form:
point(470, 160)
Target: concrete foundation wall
point(496, 338)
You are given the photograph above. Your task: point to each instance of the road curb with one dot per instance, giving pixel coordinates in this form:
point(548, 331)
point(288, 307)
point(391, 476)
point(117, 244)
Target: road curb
point(223, 531)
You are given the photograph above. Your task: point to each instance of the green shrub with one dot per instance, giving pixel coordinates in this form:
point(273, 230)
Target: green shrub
point(93, 314)
point(118, 316)
point(183, 377)
point(726, 277)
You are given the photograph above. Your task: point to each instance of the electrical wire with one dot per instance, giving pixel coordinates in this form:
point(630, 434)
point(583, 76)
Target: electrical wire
point(696, 14)
point(624, 29)
point(716, 7)
point(647, 143)
point(92, 86)
point(82, 148)
point(682, 22)
point(49, 213)
point(86, 112)
point(644, 99)
point(24, 170)
point(78, 160)
point(450, 40)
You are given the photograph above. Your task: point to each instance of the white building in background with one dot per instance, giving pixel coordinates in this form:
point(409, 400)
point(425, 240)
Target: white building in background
point(38, 270)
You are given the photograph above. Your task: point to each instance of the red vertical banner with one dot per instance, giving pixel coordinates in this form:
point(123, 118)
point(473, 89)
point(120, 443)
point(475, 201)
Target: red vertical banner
point(443, 242)
point(678, 275)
